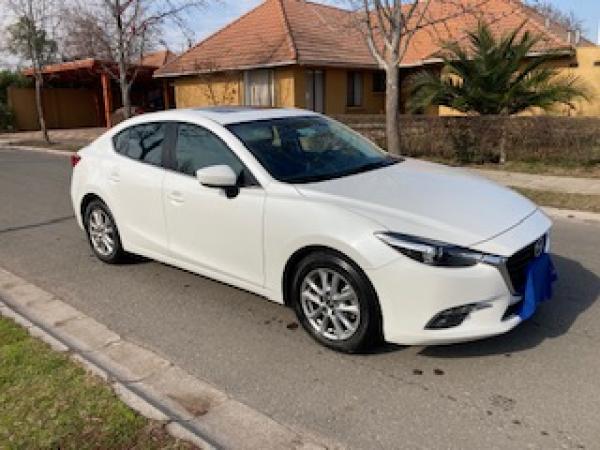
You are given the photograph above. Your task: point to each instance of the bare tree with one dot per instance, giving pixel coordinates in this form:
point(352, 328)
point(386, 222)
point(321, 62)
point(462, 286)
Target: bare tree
point(120, 32)
point(389, 27)
point(569, 20)
point(29, 38)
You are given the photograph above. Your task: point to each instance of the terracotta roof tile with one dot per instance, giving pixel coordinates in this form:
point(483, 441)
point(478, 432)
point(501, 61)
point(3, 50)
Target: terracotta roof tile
point(158, 59)
point(502, 15)
point(258, 38)
point(280, 32)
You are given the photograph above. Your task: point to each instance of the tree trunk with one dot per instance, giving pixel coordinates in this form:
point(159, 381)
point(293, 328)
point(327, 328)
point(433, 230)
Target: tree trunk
point(124, 85)
point(40, 107)
point(392, 100)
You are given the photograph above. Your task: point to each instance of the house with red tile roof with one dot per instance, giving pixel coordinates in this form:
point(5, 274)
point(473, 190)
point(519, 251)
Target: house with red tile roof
point(296, 53)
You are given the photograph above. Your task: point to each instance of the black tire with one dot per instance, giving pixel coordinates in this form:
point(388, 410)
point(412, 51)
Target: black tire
point(369, 329)
point(117, 254)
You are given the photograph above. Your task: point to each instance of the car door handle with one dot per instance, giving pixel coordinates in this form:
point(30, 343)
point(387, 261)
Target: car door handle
point(114, 176)
point(176, 197)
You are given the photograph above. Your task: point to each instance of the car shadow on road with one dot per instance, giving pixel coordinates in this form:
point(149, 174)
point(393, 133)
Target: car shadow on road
point(132, 260)
point(576, 290)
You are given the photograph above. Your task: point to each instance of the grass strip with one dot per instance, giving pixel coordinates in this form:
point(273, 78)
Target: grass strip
point(580, 202)
point(47, 401)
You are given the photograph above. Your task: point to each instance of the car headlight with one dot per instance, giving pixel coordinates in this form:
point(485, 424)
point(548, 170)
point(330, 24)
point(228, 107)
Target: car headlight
point(435, 253)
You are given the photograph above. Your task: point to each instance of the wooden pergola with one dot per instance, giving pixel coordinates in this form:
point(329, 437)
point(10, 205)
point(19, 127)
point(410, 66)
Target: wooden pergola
point(98, 75)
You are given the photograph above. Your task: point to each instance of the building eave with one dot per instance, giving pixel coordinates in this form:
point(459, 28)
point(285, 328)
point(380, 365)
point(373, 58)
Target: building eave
point(225, 69)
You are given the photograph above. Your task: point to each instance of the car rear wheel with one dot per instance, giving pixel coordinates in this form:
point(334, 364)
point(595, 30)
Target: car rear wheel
point(336, 303)
point(102, 233)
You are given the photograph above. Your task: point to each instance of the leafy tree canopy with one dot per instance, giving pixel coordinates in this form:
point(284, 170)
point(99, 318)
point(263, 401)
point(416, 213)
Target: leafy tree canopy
point(31, 42)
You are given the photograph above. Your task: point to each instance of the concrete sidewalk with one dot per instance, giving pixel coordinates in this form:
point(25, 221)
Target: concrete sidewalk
point(565, 185)
point(78, 136)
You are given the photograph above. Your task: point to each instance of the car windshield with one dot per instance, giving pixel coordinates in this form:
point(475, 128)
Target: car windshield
point(309, 149)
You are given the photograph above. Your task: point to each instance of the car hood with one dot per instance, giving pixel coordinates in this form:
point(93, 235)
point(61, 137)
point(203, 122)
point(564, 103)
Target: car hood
point(427, 200)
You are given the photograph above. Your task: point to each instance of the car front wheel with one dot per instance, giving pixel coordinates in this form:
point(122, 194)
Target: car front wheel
point(336, 303)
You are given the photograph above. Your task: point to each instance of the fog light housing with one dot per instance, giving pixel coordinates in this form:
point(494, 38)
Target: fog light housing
point(453, 317)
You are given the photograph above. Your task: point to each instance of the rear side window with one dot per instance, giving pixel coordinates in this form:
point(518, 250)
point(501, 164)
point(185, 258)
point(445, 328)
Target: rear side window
point(142, 142)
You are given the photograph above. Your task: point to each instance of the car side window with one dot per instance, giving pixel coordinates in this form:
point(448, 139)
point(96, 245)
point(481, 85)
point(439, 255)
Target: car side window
point(121, 141)
point(142, 142)
point(197, 148)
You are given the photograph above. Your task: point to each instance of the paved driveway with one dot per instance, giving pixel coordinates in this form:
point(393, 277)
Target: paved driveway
point(538, 386)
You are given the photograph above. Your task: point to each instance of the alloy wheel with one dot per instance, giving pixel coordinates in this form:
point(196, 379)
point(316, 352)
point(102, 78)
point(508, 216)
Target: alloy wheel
point(330, 304)
point(102, 232)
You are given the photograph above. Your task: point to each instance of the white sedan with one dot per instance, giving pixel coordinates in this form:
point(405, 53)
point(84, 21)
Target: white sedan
point(300, 209)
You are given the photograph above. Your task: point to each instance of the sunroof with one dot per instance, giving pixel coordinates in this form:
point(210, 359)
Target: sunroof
point(227, 109)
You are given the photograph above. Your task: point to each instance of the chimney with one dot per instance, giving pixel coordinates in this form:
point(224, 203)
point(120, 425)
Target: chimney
point(569, 36)
point(577, 37)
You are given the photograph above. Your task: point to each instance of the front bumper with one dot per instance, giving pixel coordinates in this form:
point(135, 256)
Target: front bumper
point(411, 294)
point(409, 299)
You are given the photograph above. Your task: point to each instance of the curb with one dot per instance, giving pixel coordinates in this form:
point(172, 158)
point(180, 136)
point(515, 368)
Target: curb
point(570, 214)
point(191, 409)
point(49, 151)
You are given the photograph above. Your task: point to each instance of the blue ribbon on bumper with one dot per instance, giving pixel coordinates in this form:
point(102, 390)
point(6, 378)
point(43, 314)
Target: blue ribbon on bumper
point(541, 274)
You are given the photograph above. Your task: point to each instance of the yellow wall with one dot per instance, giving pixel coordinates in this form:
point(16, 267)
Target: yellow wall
point(228, 89)
point(209, 90)
point(335, 94)
point(299, 87)
point(589, 74)
point(374, 101)
point(285, 87)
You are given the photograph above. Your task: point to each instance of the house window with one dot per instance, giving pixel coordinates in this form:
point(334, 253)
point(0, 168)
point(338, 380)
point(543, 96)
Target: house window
point(379, 81)
point(315, 90)
point(355, 89)
point(259, 88)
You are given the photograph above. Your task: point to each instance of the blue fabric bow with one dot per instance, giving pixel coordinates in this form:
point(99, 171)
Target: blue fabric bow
point(541, 274)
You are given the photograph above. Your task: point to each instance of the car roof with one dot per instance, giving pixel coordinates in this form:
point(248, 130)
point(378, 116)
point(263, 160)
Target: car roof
point(225, 115)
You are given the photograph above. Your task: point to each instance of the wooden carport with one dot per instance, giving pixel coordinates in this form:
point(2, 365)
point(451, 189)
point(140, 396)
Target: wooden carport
point(98, 77)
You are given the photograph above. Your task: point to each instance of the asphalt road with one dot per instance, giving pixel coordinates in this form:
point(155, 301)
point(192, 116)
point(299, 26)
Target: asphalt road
point(536, 387)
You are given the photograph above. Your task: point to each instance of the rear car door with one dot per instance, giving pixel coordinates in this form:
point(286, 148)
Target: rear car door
point(135, 178)
point(207, 228)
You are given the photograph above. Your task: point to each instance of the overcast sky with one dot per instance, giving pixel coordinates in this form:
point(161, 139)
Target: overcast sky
point(221, 12)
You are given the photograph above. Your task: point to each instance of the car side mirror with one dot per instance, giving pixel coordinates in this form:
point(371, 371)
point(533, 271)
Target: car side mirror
point(221, 176)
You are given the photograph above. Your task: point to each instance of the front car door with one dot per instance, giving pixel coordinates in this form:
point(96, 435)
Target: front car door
point(135, 179)
point(207, 228)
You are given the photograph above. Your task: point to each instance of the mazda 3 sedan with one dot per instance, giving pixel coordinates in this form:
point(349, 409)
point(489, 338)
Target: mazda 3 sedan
point(300, 209)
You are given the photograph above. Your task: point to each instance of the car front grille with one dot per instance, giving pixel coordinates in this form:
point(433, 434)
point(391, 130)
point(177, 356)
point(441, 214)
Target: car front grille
point(516, 267)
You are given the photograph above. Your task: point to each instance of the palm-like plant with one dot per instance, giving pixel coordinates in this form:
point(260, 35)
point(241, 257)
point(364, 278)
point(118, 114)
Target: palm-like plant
point(501, 76)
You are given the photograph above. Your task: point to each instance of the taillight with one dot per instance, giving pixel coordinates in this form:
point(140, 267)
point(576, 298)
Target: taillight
point(75, 158)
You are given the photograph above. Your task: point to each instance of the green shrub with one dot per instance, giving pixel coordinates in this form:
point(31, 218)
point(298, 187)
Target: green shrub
point(9, 78)
point(6, 118)
point(476, 139)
